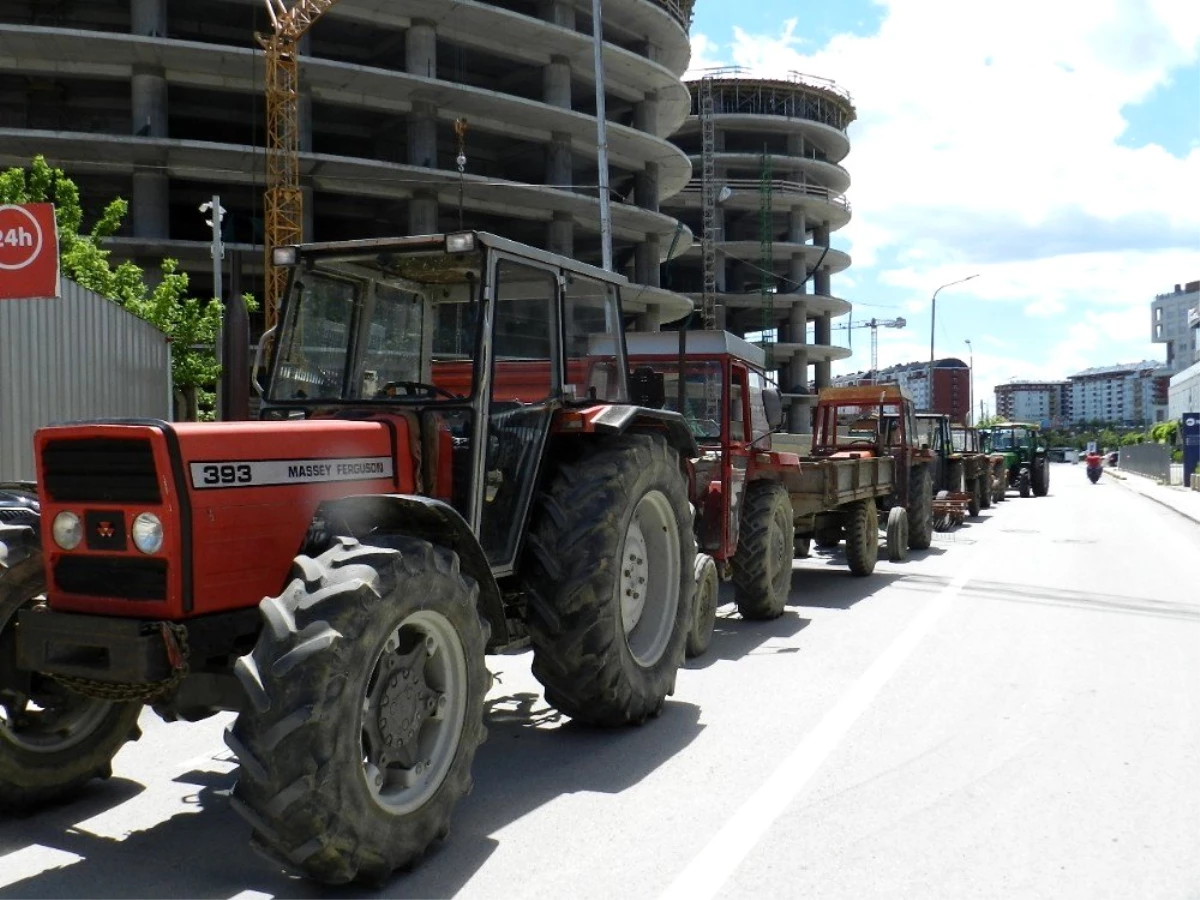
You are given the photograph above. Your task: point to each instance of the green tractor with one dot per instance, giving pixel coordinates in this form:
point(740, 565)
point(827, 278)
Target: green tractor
point(1025, 456)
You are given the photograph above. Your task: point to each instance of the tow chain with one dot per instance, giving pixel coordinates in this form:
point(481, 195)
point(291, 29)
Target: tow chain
point(175, 639)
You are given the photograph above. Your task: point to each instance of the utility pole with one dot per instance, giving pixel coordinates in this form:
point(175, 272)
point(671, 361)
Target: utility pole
point(601, 136)
point(932, 321)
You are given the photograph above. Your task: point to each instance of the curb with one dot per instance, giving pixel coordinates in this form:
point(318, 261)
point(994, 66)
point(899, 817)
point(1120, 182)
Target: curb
point(1160, 502)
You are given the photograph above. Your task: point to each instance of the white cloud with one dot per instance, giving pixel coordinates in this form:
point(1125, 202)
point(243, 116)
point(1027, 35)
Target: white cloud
point(986, 141)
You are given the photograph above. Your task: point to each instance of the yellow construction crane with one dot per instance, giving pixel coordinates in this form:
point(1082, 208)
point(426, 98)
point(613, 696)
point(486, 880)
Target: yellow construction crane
point(283, 201)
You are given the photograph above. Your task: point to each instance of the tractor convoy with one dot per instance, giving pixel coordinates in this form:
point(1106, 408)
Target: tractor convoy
point(459, 452)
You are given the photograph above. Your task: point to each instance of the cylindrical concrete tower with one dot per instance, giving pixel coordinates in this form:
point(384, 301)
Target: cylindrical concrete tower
point(163, 104)
point(776, 147)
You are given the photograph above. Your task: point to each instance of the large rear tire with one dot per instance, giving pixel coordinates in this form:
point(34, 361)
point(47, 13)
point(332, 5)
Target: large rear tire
point(920, 508)
point(704, 619)
point(365, 710)
point(762, 565)
point(897, 534)
point(52, 740)
point(862, 537)
point(611, 580)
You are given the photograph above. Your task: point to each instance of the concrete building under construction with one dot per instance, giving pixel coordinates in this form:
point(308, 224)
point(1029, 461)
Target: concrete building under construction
point(163, 103)
point(766, 196)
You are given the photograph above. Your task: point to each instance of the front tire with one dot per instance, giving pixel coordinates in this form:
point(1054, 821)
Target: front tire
point(1023, 482)
point(862, 537)
point(611, 580)
point(897, 534)
point(704, 620)
point(365, 710)
point(762, 565)
point(1041, 477)
point(52, 740)
point(920, 508)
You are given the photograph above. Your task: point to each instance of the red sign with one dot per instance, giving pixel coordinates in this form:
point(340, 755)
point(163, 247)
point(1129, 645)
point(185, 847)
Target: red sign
point(28, 252)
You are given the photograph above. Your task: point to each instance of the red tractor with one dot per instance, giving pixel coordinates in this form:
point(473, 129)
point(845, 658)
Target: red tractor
point(440, 472)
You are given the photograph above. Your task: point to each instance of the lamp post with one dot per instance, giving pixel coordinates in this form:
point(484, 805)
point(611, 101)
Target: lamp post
point(932, 322)
point(970, 380)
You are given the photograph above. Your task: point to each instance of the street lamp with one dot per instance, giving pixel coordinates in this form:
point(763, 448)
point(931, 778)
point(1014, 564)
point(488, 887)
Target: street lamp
point(932, 322)
point(970, 379)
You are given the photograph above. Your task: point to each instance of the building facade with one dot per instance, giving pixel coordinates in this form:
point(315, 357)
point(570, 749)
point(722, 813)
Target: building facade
point(776, 148)
point(162, 103)
point(1047, 403)
point(951, 383)
point(1175, 318)
point(1134, 394)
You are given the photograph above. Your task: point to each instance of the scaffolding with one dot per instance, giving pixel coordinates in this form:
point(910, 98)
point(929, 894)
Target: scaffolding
point(708, 205)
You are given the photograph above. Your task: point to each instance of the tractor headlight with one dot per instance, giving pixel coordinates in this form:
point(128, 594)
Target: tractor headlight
point(460, 242)
point(67, 530)
point(148, 533)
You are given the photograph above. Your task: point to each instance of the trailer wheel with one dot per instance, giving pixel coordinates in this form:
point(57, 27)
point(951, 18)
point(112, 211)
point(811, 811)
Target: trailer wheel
point(920, 508)
point(52, 740)
point(708, 585)
point(365, 710)
point(803, 546)
point(862, 537)
point(762, 565)
point(897, 534)
point(611, 580)
point(1023, 483)
point(973, 501)
point(984, 490)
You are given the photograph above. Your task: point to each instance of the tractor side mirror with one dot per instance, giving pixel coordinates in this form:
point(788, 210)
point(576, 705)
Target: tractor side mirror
point(647, 388)
point(773, 406)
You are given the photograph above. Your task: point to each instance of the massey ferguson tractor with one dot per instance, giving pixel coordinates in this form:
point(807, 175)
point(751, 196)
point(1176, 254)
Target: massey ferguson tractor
point(439, 473)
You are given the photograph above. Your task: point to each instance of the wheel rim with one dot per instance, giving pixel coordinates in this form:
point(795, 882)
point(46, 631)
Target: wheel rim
point(649, 582)
point(49, 718)
point(413, 711)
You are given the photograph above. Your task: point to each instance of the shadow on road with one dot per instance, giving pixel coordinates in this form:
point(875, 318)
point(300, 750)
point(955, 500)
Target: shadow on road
point(833, 587)
point(533, 755)
point(735, 638)
point(1086, 600)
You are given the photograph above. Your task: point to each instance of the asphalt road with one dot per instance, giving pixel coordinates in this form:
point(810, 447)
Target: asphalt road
point(1012, 713)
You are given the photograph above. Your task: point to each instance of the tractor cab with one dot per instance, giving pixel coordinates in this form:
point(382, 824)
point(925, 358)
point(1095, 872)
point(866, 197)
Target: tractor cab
point(869, 420)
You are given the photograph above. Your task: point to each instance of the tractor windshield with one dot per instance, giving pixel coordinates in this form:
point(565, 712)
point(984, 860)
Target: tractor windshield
point(374, 326)
point(1009, 438)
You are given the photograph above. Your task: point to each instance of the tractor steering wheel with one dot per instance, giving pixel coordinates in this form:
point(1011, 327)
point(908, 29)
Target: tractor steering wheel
point(412, 387)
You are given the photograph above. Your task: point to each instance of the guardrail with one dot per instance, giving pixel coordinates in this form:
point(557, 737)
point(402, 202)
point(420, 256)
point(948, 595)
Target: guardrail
point(779, 188)
point(680, 9)
point(791, 76)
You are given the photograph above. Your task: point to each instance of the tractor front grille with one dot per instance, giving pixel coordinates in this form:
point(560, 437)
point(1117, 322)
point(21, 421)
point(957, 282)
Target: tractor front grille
point(107, 576)
point(100, 470)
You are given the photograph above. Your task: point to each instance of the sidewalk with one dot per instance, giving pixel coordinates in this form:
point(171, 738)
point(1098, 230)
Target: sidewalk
point(1182, 500)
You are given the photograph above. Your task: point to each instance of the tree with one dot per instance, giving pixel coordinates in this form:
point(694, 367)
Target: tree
point(191, 325)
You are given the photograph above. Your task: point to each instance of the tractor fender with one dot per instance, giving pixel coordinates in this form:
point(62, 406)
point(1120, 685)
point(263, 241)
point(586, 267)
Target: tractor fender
point(362, 515)
point(624, 418)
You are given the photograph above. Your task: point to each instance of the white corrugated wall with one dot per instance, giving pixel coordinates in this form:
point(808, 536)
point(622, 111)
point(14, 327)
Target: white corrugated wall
point(79, 357)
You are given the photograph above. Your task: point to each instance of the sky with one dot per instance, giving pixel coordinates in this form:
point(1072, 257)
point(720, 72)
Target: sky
point(1052, 148)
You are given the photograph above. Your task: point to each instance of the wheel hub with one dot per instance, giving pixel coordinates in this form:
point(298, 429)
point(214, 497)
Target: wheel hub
point(649, 578)
point(634, 572)
point(412, 711)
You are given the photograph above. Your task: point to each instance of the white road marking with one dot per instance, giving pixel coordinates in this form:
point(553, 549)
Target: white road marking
point(712, 867)
point(33, 860)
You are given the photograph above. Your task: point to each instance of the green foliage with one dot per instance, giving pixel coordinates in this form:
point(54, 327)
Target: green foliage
point(1165, 432)
point(190, 324)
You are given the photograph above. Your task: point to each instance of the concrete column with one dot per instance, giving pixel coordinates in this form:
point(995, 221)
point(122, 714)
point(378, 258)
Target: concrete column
point(645, 187)
point(821, 277)
point(646, 261)
point(148, 101)
point(645, 114)
point(797, 373)
point(559, 160)
point(557, 12)
point(309, 224)
point(423, 213)
point(823, 337)
point(797, 227)
point(148, 18)
point(150, 207)
point(556, 82)
point(420, 58)
point(797, 274)
point(560, 234)
point(721, 264)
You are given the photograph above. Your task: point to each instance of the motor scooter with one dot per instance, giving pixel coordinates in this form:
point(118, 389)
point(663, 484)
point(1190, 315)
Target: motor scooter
point(1093, 467)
